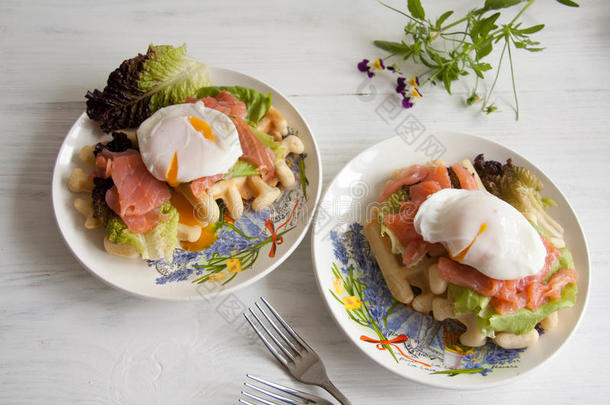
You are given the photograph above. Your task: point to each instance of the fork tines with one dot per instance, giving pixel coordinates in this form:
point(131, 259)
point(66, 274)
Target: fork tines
point(287, 396)
point(293, 345)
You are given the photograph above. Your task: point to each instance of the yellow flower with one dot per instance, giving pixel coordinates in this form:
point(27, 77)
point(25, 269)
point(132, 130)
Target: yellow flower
point(414, 81)
point(379, 64)
point(352, 302)
point(338, 284)
point(233, 265)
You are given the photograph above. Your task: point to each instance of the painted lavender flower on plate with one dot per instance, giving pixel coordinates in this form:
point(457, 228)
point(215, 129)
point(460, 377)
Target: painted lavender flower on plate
point(403, 333)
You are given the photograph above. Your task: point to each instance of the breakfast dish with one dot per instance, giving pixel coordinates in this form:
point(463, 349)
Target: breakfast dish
point(454, 241)
point(164, 184)
point(208, 176)
point(454, 229)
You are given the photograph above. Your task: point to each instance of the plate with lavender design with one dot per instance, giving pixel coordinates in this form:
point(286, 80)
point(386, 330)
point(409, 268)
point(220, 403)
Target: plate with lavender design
point(245, 249)
point(406, 342)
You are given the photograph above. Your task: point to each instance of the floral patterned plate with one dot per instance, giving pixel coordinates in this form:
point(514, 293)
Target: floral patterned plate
point(406, 342)
point(245, 250)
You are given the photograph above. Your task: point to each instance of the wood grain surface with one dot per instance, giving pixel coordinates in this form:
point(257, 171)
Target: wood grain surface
point(65, 337)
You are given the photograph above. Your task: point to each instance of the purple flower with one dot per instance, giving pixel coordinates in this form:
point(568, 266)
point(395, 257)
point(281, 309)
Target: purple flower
point(364, 67)
point(401, 85)
point(406, 102)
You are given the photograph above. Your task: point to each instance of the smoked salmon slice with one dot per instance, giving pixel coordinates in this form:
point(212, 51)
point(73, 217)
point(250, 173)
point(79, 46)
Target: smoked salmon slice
point(440, 174)
point(509, 296)
point(401, 225)
point(200, 185)
point(135, 223)
point(466, 179)
point(255, 151)
point(408, 176)
point(136, 194)
point(466, 276)
point(225, 102)
point(420, 191)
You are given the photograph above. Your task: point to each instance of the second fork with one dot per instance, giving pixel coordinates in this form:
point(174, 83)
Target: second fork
point(301, 361)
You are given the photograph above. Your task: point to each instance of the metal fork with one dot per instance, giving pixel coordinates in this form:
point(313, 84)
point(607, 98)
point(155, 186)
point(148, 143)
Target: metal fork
point(294, 354)
point(295, 397)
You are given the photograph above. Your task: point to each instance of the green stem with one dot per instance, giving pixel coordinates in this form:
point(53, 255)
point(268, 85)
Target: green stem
point(431, 77)
point(520, 13)
point(497, 75)
point(454, 33)
point(456, 22)
point(512, 75)
point(238, 231)
point(400, 12)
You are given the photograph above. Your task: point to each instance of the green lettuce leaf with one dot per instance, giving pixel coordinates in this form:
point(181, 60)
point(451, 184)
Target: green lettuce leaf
point(140, 86)
point(467, 300)
point(158, 243)
point(257, 103)
point(278, 149)
point(243, 168)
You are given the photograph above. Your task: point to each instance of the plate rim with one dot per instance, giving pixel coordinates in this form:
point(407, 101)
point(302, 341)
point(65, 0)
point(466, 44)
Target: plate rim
point(416, 378)
point(231, 288)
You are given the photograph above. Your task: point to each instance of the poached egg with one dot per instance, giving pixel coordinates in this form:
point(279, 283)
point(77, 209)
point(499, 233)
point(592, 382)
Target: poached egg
point(483, 231)
point(184, 142)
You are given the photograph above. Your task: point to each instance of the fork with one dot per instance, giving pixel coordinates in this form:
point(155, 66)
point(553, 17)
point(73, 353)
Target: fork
point(295, 397)
point(296, 356)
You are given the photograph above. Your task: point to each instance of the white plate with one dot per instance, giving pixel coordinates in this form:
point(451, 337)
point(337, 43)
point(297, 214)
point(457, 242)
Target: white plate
point(347, 203)
point(175, 282)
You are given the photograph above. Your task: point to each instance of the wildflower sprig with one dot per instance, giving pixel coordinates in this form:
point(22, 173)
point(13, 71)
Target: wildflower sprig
point(453, 48)
point(409, 91)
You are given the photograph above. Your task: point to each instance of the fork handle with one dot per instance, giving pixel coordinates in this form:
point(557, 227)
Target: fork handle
point(334, 391)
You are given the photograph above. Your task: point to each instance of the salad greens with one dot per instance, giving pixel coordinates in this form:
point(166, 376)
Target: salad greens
point(257, 103)
point(521, 321)
point(278, 149)
point(243, 168)
point(158, 243)
point(165, 75)
point(520, 188)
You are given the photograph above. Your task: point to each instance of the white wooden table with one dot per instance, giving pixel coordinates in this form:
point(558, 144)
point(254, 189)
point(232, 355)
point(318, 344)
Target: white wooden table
point(65, 337)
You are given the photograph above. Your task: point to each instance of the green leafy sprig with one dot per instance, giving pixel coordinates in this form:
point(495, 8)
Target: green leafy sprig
point(467, 41)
